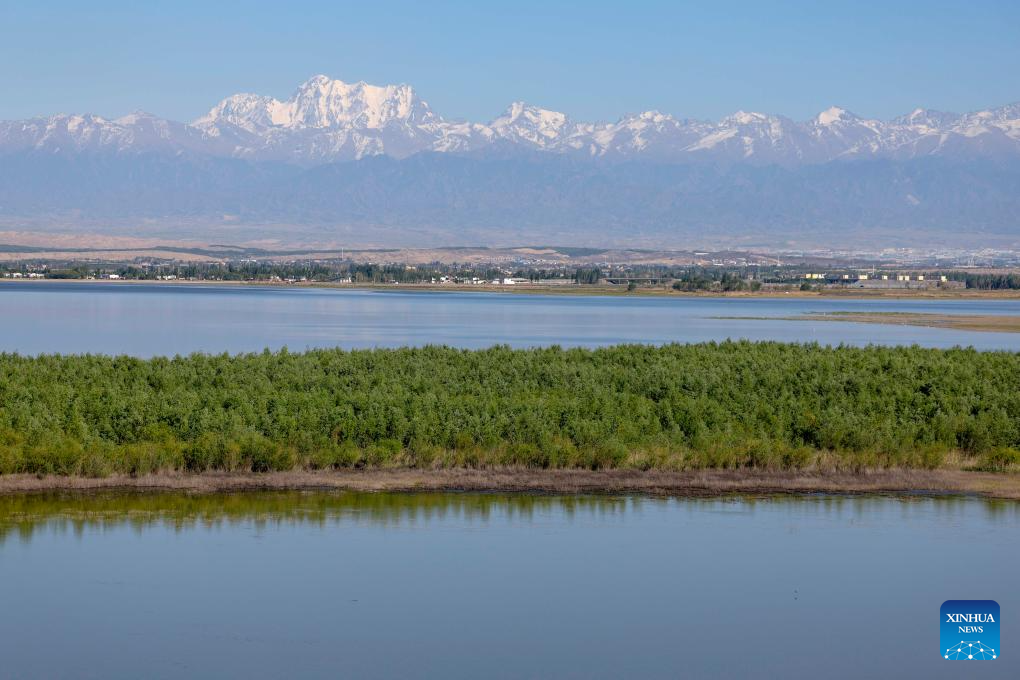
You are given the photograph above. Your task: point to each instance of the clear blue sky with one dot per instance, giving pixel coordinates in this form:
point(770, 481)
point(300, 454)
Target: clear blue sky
point(593, 60)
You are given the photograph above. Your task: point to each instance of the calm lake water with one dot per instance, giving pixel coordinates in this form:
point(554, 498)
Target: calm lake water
point(148, 320)
point(490, 586)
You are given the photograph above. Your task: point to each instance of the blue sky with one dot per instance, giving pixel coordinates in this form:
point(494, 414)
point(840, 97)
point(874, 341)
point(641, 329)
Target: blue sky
point(593, 60)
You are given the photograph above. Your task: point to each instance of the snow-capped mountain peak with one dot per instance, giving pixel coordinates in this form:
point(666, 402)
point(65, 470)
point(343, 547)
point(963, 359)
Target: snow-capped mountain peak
point(835, 115)
point(530, 123)
point(746, 118)
point(135, 117)
point(323, 103)
point(250, 112)
point(653, 116)
point(327, 119)
point(927, 118)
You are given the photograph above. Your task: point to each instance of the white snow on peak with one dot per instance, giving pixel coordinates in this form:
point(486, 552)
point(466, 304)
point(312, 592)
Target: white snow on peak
point(135, 117)
point(654, 116)
point(530, 123)
point(714, 139)
point(746, 118)
point(322, 102)
point(833, 115)
point(531, 115)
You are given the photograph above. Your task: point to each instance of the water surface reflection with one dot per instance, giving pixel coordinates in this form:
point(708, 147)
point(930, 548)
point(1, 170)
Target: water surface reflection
point(307, 584)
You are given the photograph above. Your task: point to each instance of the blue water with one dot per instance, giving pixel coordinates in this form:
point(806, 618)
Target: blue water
point(293, 585)
point(148, 320)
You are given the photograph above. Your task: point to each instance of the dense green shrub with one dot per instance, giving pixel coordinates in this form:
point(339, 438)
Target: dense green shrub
point(999, 459)
point(728, 405)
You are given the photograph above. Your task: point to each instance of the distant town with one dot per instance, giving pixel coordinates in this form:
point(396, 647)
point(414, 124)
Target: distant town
point(536, 268)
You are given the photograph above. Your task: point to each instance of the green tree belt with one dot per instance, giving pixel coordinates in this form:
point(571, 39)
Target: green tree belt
point(734, 404)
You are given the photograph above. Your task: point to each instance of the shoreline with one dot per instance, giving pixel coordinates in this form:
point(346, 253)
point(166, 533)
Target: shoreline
point(584, 290)
point(690, 484)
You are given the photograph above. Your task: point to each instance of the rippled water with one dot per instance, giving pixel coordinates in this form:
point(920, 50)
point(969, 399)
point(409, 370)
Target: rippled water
point(468, 586)
point(147, 320)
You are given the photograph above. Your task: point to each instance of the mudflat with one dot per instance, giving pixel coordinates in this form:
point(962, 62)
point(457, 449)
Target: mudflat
point(701, 483)
point(992, 323)
point(970, 322)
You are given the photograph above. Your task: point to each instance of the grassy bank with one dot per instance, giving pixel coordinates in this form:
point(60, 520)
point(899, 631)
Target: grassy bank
point(741, 405)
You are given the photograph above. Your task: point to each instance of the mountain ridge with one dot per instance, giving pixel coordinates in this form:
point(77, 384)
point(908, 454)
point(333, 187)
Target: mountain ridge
point(327, 120)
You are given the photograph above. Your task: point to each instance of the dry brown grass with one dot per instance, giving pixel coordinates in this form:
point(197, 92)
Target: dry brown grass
point(661, 483)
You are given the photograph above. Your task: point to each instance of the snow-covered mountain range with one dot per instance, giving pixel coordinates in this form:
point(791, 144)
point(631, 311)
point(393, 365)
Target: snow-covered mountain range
point(328, 120)
point(352, 162)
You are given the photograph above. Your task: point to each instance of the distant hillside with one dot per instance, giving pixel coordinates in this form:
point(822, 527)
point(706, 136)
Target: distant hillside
point(436, 199)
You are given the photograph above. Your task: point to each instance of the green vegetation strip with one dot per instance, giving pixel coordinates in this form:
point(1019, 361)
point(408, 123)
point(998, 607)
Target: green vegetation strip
point(678, 407)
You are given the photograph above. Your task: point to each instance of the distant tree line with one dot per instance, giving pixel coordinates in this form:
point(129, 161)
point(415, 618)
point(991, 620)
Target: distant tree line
point(688, 278)
point(296, 271)
point(707, 280)
point(1005, 281)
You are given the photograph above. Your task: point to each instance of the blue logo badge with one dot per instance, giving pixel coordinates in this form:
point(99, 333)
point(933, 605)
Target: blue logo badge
point(969, 630)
